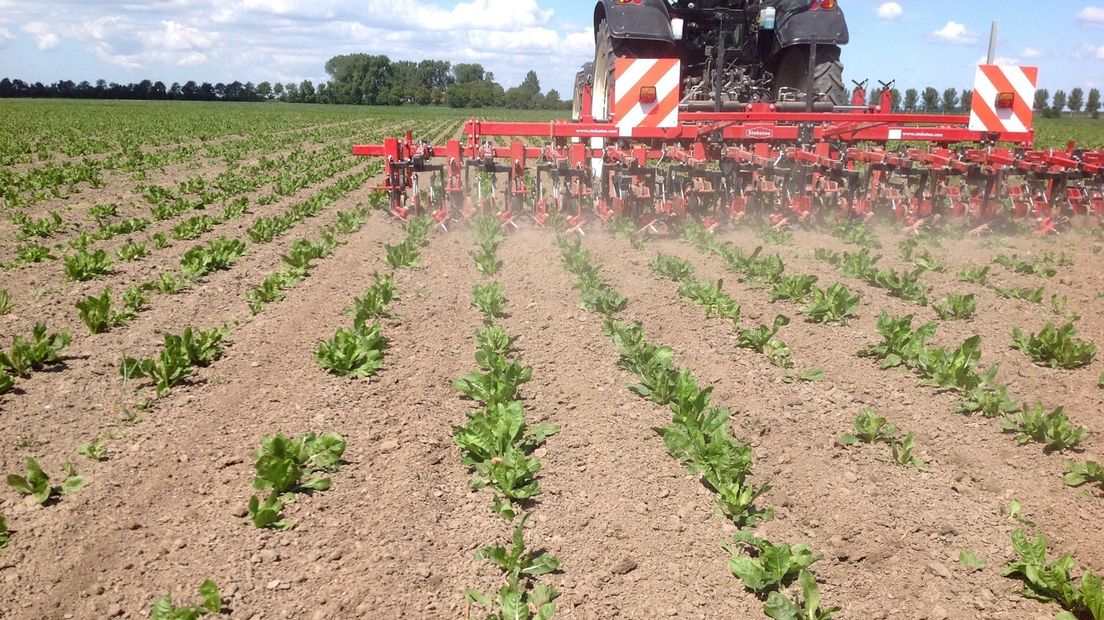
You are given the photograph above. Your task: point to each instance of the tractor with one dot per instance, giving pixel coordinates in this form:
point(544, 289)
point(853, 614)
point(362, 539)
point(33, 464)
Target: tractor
point(732, 52)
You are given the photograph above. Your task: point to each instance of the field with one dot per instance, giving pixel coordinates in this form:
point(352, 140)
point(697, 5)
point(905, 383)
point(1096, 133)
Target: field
point(647, 467)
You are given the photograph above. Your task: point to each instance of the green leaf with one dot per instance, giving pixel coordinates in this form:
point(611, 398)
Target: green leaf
point(72, 485)
point(212, 599)
point(969, 560)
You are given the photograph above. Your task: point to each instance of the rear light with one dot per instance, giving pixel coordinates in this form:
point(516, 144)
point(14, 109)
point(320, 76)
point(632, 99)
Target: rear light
point(1005, 101)
point(628, 1)
point(822, 5)
point(647, 94)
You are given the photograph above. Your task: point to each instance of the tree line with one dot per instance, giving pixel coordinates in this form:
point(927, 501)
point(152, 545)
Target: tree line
point(953, 101)
point(358, 79)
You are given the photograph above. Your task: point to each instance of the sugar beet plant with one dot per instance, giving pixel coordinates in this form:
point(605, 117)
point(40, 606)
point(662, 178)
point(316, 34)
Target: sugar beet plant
point(1053, 581)
point(358, 351)
point(488, 238)
point(179, 355)
point(210, 603)
point(1057, 347)
point(285, 466)
point(519, 597)
point(42, 349)
point(406, 254)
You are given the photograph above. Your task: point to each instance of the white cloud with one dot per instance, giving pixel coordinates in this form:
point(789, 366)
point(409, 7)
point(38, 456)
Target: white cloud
point(955, 33)
point(43, 35)
point(5, 36)
point(1003, 61)
point(289, 40)
point(1091, 16)
point(1030, 52)
point(1090, 51)
point(890, 11)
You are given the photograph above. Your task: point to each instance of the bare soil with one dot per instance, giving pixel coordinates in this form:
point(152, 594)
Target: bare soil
point(637, 537)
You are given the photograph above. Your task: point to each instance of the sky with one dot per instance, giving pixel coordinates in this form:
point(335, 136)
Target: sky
point(918, 43)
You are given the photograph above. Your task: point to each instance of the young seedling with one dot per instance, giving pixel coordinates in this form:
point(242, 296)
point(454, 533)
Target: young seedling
point(490, 299)
point(1053, 429)
point(711, 295)
point(96, 312)
point(518, 597)
point(835, 304)
point(956, 307)
point(1078, 474)
point(5, 535)
point(672, 267)
point(869, 427)
point(37, 484)
point(1034, 295)
point(1013, 510)
point(163, 608)
point(990, 400)
point(94, 450)
point(355, 352)
point(5, 302)
point(35, 354)
point(807, 607)
point(1055, 347)
point(1052, 581)
point(970, 561)
point(769, 567)
point(803, 376)
point(404, 255)
point(83, 266)
point(974, 275)
point(793, 288)
point(901, 451)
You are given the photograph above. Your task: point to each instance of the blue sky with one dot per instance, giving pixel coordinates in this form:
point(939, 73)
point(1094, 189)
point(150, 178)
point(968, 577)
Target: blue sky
point(917, 42)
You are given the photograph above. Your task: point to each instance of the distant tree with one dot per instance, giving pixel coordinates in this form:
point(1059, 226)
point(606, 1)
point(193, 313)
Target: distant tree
point(306, 92)
point(552, 99)
point(1042, 96)
point(278, 91)
point(159, 91)
point(468, 73)
point(1059, 102)
point(233, 92)
point(264, 90)
point(175, 91)
point(894, 100)
point(1092, 106)
point(1076, 100)
point(967, 99)
point(950, 100)
point(291, 92)
point(911, 99)
point(930, 99)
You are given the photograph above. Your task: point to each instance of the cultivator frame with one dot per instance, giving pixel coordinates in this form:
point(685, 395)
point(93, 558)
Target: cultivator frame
point(784, 167)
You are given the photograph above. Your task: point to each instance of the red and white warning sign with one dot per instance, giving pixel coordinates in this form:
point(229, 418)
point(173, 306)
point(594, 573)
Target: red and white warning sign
point(1003, 98)
point(646, 93)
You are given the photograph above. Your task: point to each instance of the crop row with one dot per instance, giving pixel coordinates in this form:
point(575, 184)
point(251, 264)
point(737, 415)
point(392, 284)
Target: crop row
point(699, 438)
point(497, 445)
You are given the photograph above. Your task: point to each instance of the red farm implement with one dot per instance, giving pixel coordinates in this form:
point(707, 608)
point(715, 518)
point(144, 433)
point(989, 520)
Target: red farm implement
point(780, 163)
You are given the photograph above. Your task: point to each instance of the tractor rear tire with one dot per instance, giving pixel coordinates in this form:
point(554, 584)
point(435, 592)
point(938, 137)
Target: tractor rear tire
point(793, 72)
